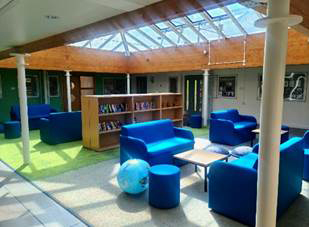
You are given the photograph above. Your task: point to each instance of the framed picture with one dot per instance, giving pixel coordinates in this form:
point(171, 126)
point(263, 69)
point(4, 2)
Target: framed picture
point(295, 86)
point(53, 84)
point(227, 87)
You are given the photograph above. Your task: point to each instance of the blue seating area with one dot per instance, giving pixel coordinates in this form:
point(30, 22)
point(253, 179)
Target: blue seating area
point(231, 128)
point(155, 142)
point(233, 185)
point(35, 112)
point(306, 157)
point(61, 127)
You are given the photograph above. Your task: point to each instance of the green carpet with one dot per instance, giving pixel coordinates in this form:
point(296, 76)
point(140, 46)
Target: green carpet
point(50, 160)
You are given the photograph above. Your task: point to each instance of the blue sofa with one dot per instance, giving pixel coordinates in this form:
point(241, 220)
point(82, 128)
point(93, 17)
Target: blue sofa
point(230, 128)
point(61, 127)
point(155, 142)
point(233, 185)
point(35, 112)
point(306, 157)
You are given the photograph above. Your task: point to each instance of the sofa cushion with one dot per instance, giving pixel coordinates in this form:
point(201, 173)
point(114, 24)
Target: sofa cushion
point(38, 116)
point(231, 115)
point(151, 131)
point(244, 125)
point(167, 145)
point(247, 161)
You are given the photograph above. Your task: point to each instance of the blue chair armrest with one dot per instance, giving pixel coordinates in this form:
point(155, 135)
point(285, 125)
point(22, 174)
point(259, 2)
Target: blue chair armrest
point(306, 140)
point(184, 133)
point(53, 110)
point(232, 191)
point(44, 129)
point(133, 147)
point(247, 118)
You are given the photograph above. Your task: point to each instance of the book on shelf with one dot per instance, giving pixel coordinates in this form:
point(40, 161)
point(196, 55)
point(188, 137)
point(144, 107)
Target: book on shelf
point(113, 108)
point(110, 125)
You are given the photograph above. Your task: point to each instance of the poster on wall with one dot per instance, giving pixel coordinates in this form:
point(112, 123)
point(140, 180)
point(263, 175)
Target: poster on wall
point(294, 87)
point(227, 87)
point(32, 86)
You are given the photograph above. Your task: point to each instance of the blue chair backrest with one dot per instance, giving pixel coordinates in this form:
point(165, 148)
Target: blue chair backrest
point(230, 114)
point(66, 121)
point(151, 131)
point(33, 110)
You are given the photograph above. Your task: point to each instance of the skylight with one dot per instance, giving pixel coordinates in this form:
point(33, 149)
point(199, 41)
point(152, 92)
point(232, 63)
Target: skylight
point(230, 21)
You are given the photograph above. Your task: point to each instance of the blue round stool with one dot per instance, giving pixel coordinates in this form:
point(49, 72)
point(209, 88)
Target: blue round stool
point(164, 186)
point(195, 121)
point(11, 129)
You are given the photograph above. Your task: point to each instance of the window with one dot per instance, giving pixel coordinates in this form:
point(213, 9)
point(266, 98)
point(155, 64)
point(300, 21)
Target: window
point(294, 87)
point(32, 84)
point(227, 87)
point(0, 87)
point(53, 84)
point(87, 86)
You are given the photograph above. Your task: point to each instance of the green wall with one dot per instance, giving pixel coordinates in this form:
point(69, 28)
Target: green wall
point(10, 91)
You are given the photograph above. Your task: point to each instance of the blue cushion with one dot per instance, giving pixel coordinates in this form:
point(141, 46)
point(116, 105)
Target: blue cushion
point(244, 124)
point(151, 131)
point(218, 149)
point(241, 150)
point(168, 145)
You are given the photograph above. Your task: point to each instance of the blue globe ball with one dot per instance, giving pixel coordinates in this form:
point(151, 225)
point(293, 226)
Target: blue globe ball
point(133, 176)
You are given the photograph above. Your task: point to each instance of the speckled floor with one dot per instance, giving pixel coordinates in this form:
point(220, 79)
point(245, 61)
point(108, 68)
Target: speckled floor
point(92, 192)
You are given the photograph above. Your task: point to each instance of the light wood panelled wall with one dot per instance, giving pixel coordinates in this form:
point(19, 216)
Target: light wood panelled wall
point(187, 58)
point(75, 59)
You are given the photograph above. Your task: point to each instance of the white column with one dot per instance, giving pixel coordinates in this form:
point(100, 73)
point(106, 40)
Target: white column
point(205, 97)
point(69, 102)
point(46, 91)
point(128, 84)
point(22, 93)
point(276, 22)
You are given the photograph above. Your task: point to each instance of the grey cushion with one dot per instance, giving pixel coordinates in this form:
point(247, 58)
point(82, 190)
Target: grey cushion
point(217, 149)
point(241, 151)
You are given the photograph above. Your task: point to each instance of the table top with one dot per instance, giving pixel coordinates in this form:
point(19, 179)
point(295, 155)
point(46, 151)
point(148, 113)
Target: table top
point(258, 131)
point(200, 157)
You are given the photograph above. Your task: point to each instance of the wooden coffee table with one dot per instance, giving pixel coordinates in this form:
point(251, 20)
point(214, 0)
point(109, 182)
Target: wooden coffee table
point(258, 131)
point(201, 158)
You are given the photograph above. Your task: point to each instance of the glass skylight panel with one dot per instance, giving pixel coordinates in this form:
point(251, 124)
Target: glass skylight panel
point(144, 39)
point(113, 43)
point(196, 17)
point(97, 42)
point(177, 22)
point(246, 17)
point(161, 25)
point(174, 37)
point(135, 43)
point(131, 49)
point(228, 27)
point(120, 48)
point(190, 35)
point(209, 32)
point(216, 13)
point(152, 33)
point(79, 44)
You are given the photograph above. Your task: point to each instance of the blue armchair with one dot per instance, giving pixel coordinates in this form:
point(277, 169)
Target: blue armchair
point(35, 112)
point(61, 127)
point(306, 158)
point(233, 185)
point(155, 142)
point(230, 128)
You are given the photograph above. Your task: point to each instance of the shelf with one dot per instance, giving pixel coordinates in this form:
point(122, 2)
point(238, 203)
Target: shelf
point(148, 110)
point(113, 114)
point(172, 107)
point(110, 131)
point(176, 120)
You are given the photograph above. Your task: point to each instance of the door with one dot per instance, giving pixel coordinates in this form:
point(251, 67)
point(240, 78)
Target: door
point(173, 84)
point(141, 84)
point(193, 94)
point(75, 93)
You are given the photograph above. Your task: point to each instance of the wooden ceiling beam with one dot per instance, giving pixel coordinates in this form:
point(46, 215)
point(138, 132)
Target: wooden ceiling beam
point(160, 11)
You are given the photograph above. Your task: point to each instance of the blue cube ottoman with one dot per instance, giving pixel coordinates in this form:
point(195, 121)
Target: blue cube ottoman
point(12, 129)
point(164, 186)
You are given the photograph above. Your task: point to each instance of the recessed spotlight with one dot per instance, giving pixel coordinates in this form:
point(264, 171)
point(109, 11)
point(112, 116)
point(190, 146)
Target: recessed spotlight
point(51, 17)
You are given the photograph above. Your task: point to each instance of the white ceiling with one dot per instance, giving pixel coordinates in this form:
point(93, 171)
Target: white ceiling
point(23, 21)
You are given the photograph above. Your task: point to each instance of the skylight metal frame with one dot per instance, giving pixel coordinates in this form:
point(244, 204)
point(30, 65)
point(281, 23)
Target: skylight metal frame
point(189, 23)
point(158, 30)
point(117, 46)
point(212, 24)
point(125, 43)
point(139, 41)
point(174, 29)
point(235, 21)
point(106, 41)
point(149, 37)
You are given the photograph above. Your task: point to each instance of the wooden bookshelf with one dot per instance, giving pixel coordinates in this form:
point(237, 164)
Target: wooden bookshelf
point(139, 108)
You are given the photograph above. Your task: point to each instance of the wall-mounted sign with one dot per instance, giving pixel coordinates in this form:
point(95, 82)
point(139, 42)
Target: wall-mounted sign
point(227, 87)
